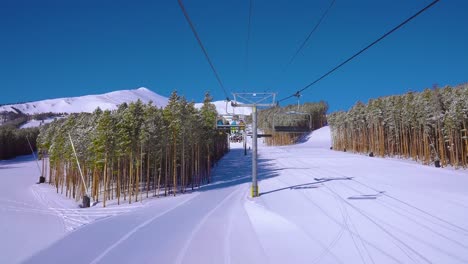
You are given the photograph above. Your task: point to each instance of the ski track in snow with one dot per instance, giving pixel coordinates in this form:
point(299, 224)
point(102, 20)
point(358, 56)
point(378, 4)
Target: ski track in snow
point(71, 218)
point(134, 230)
point(74, 218)
point(326, 249)
point(183, 250)
point(227, 238)
point(345, 226)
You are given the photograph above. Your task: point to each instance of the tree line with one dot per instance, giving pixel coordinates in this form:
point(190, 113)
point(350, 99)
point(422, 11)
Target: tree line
point(13, 139)
point(428, 126)
point(138, 149)
point(306, 117)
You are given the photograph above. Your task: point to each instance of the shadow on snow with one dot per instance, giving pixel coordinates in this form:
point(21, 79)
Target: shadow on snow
point(309, 185)
point(235, 168)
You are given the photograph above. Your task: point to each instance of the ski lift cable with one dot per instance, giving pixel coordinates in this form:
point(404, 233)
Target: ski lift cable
point(364, 49)
point(192, 27)
point(311, 32)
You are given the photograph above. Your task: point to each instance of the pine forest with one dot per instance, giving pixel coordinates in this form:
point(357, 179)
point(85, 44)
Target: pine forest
point(136, 151)
point(429, 127)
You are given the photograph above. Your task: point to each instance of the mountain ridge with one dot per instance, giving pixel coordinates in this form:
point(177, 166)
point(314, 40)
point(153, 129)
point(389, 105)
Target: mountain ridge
point(107, 101)
point(87, 103)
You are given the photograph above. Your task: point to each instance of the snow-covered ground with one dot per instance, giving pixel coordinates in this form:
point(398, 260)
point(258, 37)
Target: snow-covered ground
point(33, 216)
point(316, 206)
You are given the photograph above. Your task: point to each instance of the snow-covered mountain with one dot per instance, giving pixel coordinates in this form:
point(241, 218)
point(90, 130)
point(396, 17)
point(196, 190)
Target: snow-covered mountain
point(88, 103)
point(108, 101)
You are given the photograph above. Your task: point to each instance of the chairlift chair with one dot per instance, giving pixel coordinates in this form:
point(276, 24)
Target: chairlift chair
point(292, 122)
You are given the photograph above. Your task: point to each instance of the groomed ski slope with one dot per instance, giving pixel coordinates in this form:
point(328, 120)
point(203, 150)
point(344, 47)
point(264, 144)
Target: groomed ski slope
point(316, 206)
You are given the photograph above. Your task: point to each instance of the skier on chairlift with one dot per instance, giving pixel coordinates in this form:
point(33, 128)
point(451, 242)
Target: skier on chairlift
point(242, 125)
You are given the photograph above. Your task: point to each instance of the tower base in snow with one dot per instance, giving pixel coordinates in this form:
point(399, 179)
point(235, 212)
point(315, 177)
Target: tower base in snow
point(41, 179)
point(86, 202)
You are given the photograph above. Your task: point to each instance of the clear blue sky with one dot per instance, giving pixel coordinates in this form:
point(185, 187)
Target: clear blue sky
point(51, 49)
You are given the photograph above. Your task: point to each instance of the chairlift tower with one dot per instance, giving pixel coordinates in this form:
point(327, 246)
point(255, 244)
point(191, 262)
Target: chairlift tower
point(254, 100)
